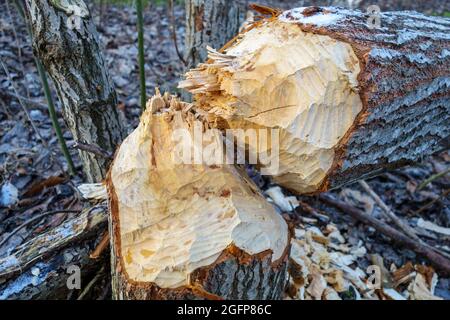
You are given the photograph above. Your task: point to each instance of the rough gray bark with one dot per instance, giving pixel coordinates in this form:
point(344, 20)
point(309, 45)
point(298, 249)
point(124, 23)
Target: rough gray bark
point(72, 57)
point(210, 23)
point(38, 269)
point(428, 7)
point(404, 87)
point(255, 278)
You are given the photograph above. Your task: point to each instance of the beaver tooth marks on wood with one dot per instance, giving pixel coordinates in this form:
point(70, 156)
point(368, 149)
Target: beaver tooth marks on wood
point(186, 229)
point(303, 84)
point(349, 100)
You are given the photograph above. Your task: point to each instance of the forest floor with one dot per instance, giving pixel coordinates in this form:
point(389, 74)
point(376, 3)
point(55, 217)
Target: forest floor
point(331, 250)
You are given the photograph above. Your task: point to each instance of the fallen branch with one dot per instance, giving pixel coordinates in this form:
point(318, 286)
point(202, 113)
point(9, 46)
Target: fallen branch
point(432, 202)
point(388, 212)
point(313, 212)
point(37, 269)
point(30, 221)
point(441, 263)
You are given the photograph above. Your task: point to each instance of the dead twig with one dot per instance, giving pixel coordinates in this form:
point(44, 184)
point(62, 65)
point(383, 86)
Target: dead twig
point(28, 100)
point(436, 176)
point(313, 212)
point(28, 222)
point(438, 260)
point(92, 148)
point(388, 212)
point(409, 231)
point(264, 10)
point(103, 244)
point(91, 284)
point(174, 32)
point(5, 109)
point(431, 203)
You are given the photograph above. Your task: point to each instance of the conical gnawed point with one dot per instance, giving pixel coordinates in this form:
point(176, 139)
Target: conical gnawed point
point(345, 96)
point(185, 230)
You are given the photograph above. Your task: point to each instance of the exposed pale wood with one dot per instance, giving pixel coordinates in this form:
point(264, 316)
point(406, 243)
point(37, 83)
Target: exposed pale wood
point(183, 230)
point(350, 101)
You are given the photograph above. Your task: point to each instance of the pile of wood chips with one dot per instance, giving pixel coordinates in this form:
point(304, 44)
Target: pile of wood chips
point(322, 268)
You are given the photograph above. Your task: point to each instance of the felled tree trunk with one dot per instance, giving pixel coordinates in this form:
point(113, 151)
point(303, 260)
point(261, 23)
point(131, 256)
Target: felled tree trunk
point(210, 23)
point(350, 99)
point(189, 227)
point(41, 268)
point(65, 40)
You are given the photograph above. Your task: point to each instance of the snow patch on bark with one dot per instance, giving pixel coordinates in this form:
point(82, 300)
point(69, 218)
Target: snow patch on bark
point(325, 17)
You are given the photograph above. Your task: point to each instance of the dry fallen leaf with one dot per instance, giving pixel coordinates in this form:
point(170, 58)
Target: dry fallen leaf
point(41, 185)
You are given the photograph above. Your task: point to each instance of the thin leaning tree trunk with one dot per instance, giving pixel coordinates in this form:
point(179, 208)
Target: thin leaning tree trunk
point(72, 57)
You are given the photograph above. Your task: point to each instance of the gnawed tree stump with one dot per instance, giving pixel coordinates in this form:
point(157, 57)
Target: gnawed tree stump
point(349, 100)
point(185, 231)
